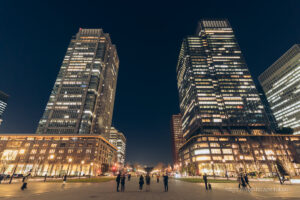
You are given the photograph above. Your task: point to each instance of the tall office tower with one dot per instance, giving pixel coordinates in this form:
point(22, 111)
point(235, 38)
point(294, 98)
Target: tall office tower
point(118, 139)
point(176, 136)
point(281, 83)
point(82, 98)
point(3, 104)
point(216, 91)
point(269, 112)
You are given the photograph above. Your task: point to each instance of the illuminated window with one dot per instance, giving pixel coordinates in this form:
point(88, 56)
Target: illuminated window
point(202, 158)
point(215, 151)
point(201, 151)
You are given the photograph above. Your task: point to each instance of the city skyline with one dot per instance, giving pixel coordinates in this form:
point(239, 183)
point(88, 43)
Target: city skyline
point(132, 98)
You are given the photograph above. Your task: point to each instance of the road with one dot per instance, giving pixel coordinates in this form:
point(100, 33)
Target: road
point(177, 190)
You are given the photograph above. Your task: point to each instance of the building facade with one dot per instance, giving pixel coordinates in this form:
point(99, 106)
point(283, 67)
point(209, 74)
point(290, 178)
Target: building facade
point(224, 121)
point(267, 107)
point(118, 139)
point(176, 136)
point(56, 155)
point(216, 92)
point(226, 155)
point(3, 104)
point(82, 98)
point(281, 83)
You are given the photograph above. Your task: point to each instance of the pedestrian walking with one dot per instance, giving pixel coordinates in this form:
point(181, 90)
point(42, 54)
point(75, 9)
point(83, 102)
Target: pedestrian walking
point(166, 182)
point(118, 180)
point(64, 181)
point(129, 177)
point(123, 183)
point(45, 178)
point(141, 182)
point(241, 181)
point(157, 178)
point(247, 180)
point(148, 180)
point(25, 181)
point(205, 181)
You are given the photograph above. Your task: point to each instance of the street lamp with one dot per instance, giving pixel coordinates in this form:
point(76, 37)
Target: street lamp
point(213, 168)
point(82, 162)
point(91, 165)
point(21, 152)
point(69, 161)
point(51, 158)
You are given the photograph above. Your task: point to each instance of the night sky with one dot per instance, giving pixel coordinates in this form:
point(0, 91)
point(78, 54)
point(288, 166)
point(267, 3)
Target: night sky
point(34, 36)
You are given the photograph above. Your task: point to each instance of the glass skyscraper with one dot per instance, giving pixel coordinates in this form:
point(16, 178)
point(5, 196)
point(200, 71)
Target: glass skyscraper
point(3, 104)
point(216, 92)
point(82, 98)
point(281, 83)
point(224, 122)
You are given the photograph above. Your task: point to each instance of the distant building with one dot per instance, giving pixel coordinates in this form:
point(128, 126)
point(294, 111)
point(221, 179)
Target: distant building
point(56, 155)
point(118, 139)
point(3, 104)
point(82, 98)
point(176, 136)
point(281, 83)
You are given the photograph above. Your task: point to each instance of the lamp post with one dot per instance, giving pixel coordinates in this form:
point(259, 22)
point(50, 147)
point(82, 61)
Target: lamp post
point(51, 158)
point(213, 169)
point(226, 172)
point(69, 161)
point(91, 165)
point(21, 152)
point(82, 162)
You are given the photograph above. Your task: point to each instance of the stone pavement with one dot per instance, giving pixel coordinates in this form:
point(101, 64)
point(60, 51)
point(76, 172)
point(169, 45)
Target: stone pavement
point(177, 190)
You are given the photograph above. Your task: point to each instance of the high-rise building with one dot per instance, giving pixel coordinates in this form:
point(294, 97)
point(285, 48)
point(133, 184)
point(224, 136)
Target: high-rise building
point(281, 83)
point(216, 92)
point(82, 98)
point(176, 136)
point(269, 112)
point(224, 122)
point(118, 139)
point(3, 104)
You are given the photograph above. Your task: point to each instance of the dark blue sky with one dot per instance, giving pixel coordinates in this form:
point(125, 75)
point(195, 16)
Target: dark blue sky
point(34, 36)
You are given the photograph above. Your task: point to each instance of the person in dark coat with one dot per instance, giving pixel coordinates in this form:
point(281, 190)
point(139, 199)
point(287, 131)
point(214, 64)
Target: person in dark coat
point(242, 181)
point(129, 177)
point(148, 180)
point(166, 182)
point(25, 180)
point(205, 181)
point(123, 183)
point(141, 182)
point(118, 180)
point(247, 180)
point(157, 178)
point(1, 178)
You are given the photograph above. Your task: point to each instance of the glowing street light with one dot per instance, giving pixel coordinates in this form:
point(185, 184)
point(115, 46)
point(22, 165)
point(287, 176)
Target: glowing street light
point(82, 162)
point(69, 160)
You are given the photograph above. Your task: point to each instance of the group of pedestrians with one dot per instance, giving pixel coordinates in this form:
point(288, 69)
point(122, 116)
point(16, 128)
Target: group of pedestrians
point(243, 181)
point(121, 180)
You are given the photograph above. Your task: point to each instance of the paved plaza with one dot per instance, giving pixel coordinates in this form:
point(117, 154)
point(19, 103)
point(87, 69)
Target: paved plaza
point(177, 190)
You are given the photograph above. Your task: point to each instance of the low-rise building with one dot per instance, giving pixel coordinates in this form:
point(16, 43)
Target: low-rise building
point(221, 155)
point(56, 155)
